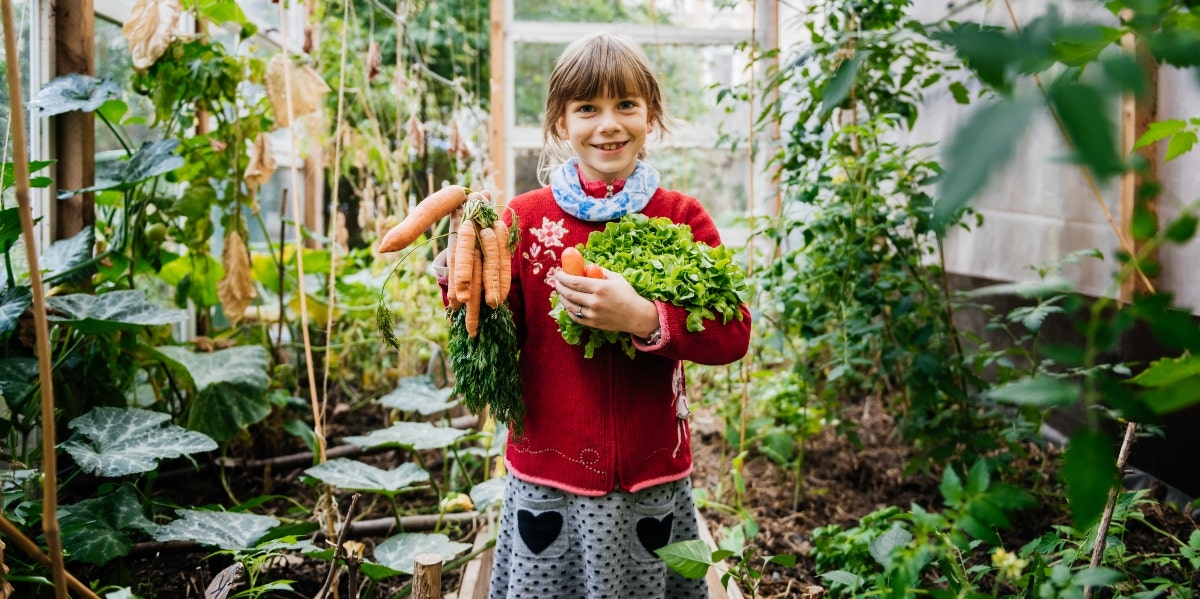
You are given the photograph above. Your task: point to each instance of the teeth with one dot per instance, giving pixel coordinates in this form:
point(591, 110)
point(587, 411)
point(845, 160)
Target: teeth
point(609, 146)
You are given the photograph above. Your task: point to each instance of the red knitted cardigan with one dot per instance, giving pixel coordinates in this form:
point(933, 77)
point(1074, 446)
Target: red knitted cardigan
point(607, 422)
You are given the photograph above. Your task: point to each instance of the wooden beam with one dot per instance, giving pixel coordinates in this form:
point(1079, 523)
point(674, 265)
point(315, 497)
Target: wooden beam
point(1137, 112)
point(498, 101)
point(74, 133)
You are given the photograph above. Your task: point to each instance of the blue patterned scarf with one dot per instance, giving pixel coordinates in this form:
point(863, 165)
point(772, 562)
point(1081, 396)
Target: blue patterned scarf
point(569, 194)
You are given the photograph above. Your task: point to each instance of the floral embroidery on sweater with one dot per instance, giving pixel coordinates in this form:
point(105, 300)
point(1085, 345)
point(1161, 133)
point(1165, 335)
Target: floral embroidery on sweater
point(542, 259)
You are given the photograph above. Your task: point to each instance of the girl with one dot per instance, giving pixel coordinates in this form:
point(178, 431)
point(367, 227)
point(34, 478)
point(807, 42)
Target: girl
point(599, 479)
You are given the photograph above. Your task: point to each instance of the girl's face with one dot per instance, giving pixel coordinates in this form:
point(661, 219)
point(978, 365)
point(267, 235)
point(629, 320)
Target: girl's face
point(606, 134)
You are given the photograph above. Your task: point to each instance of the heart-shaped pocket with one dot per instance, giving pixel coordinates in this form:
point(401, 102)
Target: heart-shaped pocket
point(654, 533)
point(538, 530)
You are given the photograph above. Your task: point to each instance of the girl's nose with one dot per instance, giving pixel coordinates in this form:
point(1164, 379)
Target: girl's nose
point(608, 122)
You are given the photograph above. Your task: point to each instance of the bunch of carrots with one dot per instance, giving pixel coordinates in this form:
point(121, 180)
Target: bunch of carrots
point(483, 345)
point(480, 259)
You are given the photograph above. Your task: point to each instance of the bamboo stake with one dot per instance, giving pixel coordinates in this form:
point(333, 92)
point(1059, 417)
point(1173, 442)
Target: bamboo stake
point(11, 531)
point(21, 173)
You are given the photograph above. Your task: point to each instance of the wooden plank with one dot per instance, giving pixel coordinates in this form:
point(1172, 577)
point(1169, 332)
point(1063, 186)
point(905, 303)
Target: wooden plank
point(1137, 112)
point(715, 590)
point(565, 33)
point(477, 573)
point(74, 133)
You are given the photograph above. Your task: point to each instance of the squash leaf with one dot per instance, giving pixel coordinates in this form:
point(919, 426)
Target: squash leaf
point(121, 441)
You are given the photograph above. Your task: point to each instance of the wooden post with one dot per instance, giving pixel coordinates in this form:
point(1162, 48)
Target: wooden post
point(427, 576)
point(1137, 112)
point(498, 99)
point(74, 133)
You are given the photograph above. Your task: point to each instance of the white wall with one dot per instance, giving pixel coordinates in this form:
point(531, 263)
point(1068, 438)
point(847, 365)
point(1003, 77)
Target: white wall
point(1038, 209)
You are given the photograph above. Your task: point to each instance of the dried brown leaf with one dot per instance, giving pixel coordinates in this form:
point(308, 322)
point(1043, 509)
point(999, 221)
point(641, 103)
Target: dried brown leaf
point(306, 84)
point(262, 162)
point(374, 61)
point(149, 29)
point(6, 590)
point(236, 289)
point(416, 136)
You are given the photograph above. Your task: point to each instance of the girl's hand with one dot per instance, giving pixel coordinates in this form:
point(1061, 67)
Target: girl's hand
point(609, 304)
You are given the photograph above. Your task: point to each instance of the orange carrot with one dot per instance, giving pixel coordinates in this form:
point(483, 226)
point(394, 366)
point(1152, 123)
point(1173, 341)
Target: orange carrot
point(491, 265)
point(473, 303)
point(572, 261)
point(439, 204)
point(464, 259)
point(451, 293)
point(593, 271)
point(505, 259)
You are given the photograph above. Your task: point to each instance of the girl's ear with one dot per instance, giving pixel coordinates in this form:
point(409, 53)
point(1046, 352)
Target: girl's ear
point(560, 127)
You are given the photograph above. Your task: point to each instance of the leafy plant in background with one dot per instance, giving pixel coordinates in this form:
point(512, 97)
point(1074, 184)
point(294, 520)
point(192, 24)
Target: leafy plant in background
point(854, 294)
point(1082, 75)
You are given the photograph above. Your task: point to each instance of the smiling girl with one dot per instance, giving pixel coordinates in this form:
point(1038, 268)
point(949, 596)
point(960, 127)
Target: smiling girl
point(600, 477)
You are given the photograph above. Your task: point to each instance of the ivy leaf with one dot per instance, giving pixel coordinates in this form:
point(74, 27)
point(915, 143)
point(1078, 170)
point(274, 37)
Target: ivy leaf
point(108, 312)
point(17, 376)
point(231, 387)
point(151, 160)
point(1040, 392)
point(1089, 471)
point(121, 441)
point(64, 255)
point(418, 394)
point(413, 435)
point(227, 530)
point(73, 92)
point(984, 144)
point(13, 303)
point(97, 530)
point(1181, 143)
point(399, 551)
point(690, 559)
point(352, 475)
point(1159, 130)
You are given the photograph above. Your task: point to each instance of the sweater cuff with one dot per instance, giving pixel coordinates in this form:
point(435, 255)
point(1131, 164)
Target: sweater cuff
point(664, 332)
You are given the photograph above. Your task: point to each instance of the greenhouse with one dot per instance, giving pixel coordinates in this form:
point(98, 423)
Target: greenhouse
point(602, 298)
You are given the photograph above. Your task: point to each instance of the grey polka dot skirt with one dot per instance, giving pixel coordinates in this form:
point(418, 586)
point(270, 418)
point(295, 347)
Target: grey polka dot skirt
point(557, 545)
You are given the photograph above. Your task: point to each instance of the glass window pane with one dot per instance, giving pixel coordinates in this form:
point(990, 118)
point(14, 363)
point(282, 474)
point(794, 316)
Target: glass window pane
point(113, 62)
point(687, 75)
point(22, 16)
point(680, 13)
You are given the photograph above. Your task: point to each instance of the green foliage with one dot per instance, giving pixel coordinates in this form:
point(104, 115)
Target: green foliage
point(399, 551)
point(412, 435)
point(485, 368)
point(692, 559)
point(351, 475)
point(662, 261)
point(130, 441)
point(226, 530)
point(98, 530)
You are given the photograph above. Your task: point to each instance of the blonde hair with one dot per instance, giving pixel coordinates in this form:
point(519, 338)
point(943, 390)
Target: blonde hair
point(600, 64)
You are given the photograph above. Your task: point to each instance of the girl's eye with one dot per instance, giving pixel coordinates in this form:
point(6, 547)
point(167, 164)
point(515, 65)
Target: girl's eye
point(627, 105)
point(586, 108)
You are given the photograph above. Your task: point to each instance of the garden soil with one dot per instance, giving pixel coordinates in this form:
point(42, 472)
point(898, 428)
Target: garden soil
point(841, 483)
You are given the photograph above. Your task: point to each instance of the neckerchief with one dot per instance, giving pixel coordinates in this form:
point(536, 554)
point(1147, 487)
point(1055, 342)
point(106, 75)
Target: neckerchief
point(569, 195)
